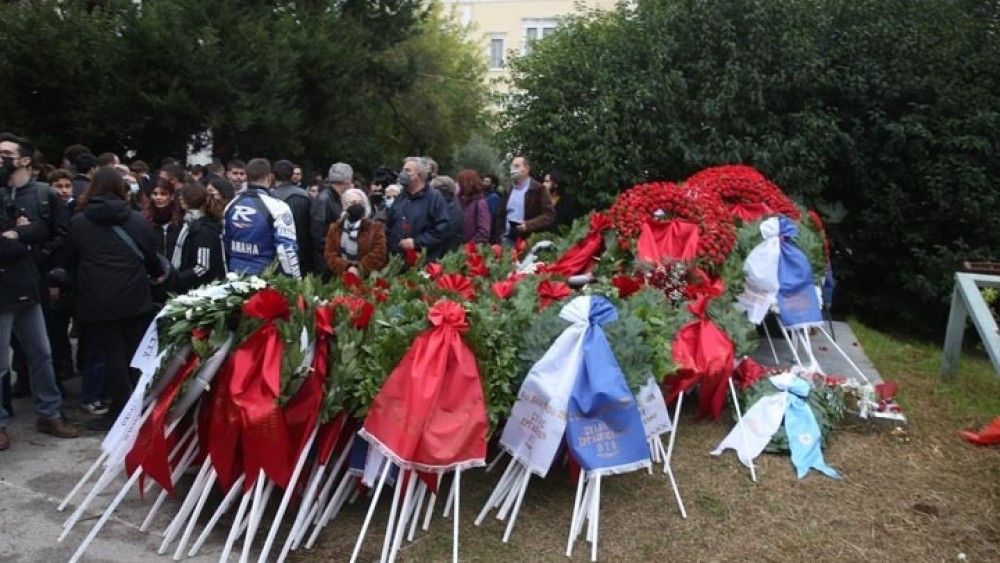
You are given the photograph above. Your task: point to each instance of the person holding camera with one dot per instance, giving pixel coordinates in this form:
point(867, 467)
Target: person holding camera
point(24, 234)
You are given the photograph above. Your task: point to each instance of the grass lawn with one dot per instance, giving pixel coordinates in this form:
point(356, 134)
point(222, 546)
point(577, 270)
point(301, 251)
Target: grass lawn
point(920, 494)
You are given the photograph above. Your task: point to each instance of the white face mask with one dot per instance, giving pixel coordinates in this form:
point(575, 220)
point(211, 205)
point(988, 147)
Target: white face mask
point(134, 188)
point(389, 200)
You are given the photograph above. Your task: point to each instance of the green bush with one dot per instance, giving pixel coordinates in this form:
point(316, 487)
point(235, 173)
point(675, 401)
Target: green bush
point(890, 107)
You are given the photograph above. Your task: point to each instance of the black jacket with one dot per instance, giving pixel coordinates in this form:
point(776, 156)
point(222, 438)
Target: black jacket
point(323, 211)
point(166, 237)
point(22, 260)
point(423, 217)
point(299, 202)
point(110, 281)
point(197, 258)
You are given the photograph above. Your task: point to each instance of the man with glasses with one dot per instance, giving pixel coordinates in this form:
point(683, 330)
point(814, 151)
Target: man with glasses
point(25, 232)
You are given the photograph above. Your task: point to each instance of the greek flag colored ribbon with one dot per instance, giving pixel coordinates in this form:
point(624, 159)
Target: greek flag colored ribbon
point(577, 390)
point(752, 434)
point(777, 271)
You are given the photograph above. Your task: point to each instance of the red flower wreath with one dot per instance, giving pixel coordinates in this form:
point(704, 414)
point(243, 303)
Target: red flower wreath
point(636, 206)
point(738, 184)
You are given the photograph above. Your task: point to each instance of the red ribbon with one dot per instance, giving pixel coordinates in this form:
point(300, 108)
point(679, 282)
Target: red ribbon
point(550, 292)
point(748, 212)
point(705, 355)
point(988, 436)
point(673, 240)
point(361, 310)
point(580, 257)
point(431, 411)
point(434, 269)
point(627, 285)
point(748, 372)
point(151, 448)
point(457, 284)
point(303, 410)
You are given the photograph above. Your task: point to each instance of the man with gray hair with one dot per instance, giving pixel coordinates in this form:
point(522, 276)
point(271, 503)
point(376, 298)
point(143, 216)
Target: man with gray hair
point(418, 219)
point(326, 208)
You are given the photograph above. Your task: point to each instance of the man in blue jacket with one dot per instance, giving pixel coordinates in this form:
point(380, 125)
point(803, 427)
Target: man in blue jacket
point(418, 220)
point(260, 228)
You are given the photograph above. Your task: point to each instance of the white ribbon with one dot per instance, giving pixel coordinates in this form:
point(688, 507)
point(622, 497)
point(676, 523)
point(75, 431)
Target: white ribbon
point(123, 433)
point(537, 422)
point(761, 271)
point(652, 407)
point(753, 432)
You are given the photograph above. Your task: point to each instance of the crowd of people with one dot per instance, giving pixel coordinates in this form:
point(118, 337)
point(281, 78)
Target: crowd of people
point(90, 250)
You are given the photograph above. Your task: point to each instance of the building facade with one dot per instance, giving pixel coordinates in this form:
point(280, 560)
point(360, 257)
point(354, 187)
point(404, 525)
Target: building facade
point(507, 28)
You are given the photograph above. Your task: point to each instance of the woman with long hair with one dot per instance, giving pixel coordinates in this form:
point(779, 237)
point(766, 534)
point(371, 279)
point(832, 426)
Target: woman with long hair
point(476, 218)
point(197, 256)
point(163, 212)
point(111, 260)
point(355, 243)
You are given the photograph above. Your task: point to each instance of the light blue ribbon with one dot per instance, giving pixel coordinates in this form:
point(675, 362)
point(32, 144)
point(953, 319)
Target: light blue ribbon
point(803, 433)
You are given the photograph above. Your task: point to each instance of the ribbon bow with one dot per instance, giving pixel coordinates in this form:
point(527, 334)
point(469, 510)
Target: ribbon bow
point(754, 431)
point(448, 314)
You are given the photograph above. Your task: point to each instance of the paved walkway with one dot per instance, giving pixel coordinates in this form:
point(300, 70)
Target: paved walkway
point(37, 472)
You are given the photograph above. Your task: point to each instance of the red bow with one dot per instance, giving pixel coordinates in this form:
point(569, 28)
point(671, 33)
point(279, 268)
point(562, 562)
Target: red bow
point(458, 284)
point(705, 355)
point(361, 310)
point(434, 269)
point(627, 285)
point(551, 291)
point(578, 258)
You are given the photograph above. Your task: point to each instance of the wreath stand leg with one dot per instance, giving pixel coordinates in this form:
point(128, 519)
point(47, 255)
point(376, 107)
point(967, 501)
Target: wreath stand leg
point(371, 512)
point(739, 421)
point(668, 454)
point(844, 354)
point(770, 343)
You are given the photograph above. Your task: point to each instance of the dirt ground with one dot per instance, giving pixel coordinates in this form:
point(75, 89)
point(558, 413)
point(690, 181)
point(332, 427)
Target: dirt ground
point(919, 494)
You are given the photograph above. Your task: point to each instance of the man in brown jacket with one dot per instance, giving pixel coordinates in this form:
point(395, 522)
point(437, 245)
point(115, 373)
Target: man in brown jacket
point(525, 208)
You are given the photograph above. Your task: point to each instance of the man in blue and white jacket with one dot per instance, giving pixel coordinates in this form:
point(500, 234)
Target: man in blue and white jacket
point(260, 228)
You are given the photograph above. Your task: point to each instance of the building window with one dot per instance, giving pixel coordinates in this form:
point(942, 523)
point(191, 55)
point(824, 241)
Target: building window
point(535, 29)
point(496, 52)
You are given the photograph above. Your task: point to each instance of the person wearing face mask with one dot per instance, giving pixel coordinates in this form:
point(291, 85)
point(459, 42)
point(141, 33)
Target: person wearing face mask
point(392, 192)
point(355, 243)
point(326, 208)
point(24, 230)
point(418, 219)
point(526, 207)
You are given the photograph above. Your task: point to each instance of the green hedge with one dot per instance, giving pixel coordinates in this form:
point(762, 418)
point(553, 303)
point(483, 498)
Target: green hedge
point(890, 107)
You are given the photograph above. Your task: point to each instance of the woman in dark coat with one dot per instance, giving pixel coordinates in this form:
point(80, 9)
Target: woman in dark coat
point(197, 255)
point(565, 208)
point(111, 260)
point(355, 243)
point(476, 217)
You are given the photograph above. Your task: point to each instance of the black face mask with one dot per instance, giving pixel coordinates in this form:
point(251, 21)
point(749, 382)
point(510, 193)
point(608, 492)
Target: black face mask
point(355, 212)
point(6, 170)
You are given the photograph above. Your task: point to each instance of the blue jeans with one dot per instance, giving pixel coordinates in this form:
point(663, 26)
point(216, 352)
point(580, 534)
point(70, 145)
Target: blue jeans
point(93, 376)
point(27, 322)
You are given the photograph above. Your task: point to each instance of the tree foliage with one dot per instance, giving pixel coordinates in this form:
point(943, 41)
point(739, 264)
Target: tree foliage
point(890, 108)
point(359, 81)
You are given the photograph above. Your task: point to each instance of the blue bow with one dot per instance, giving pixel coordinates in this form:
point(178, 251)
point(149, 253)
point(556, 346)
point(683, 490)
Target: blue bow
point(604, 430)
point(797, 301)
